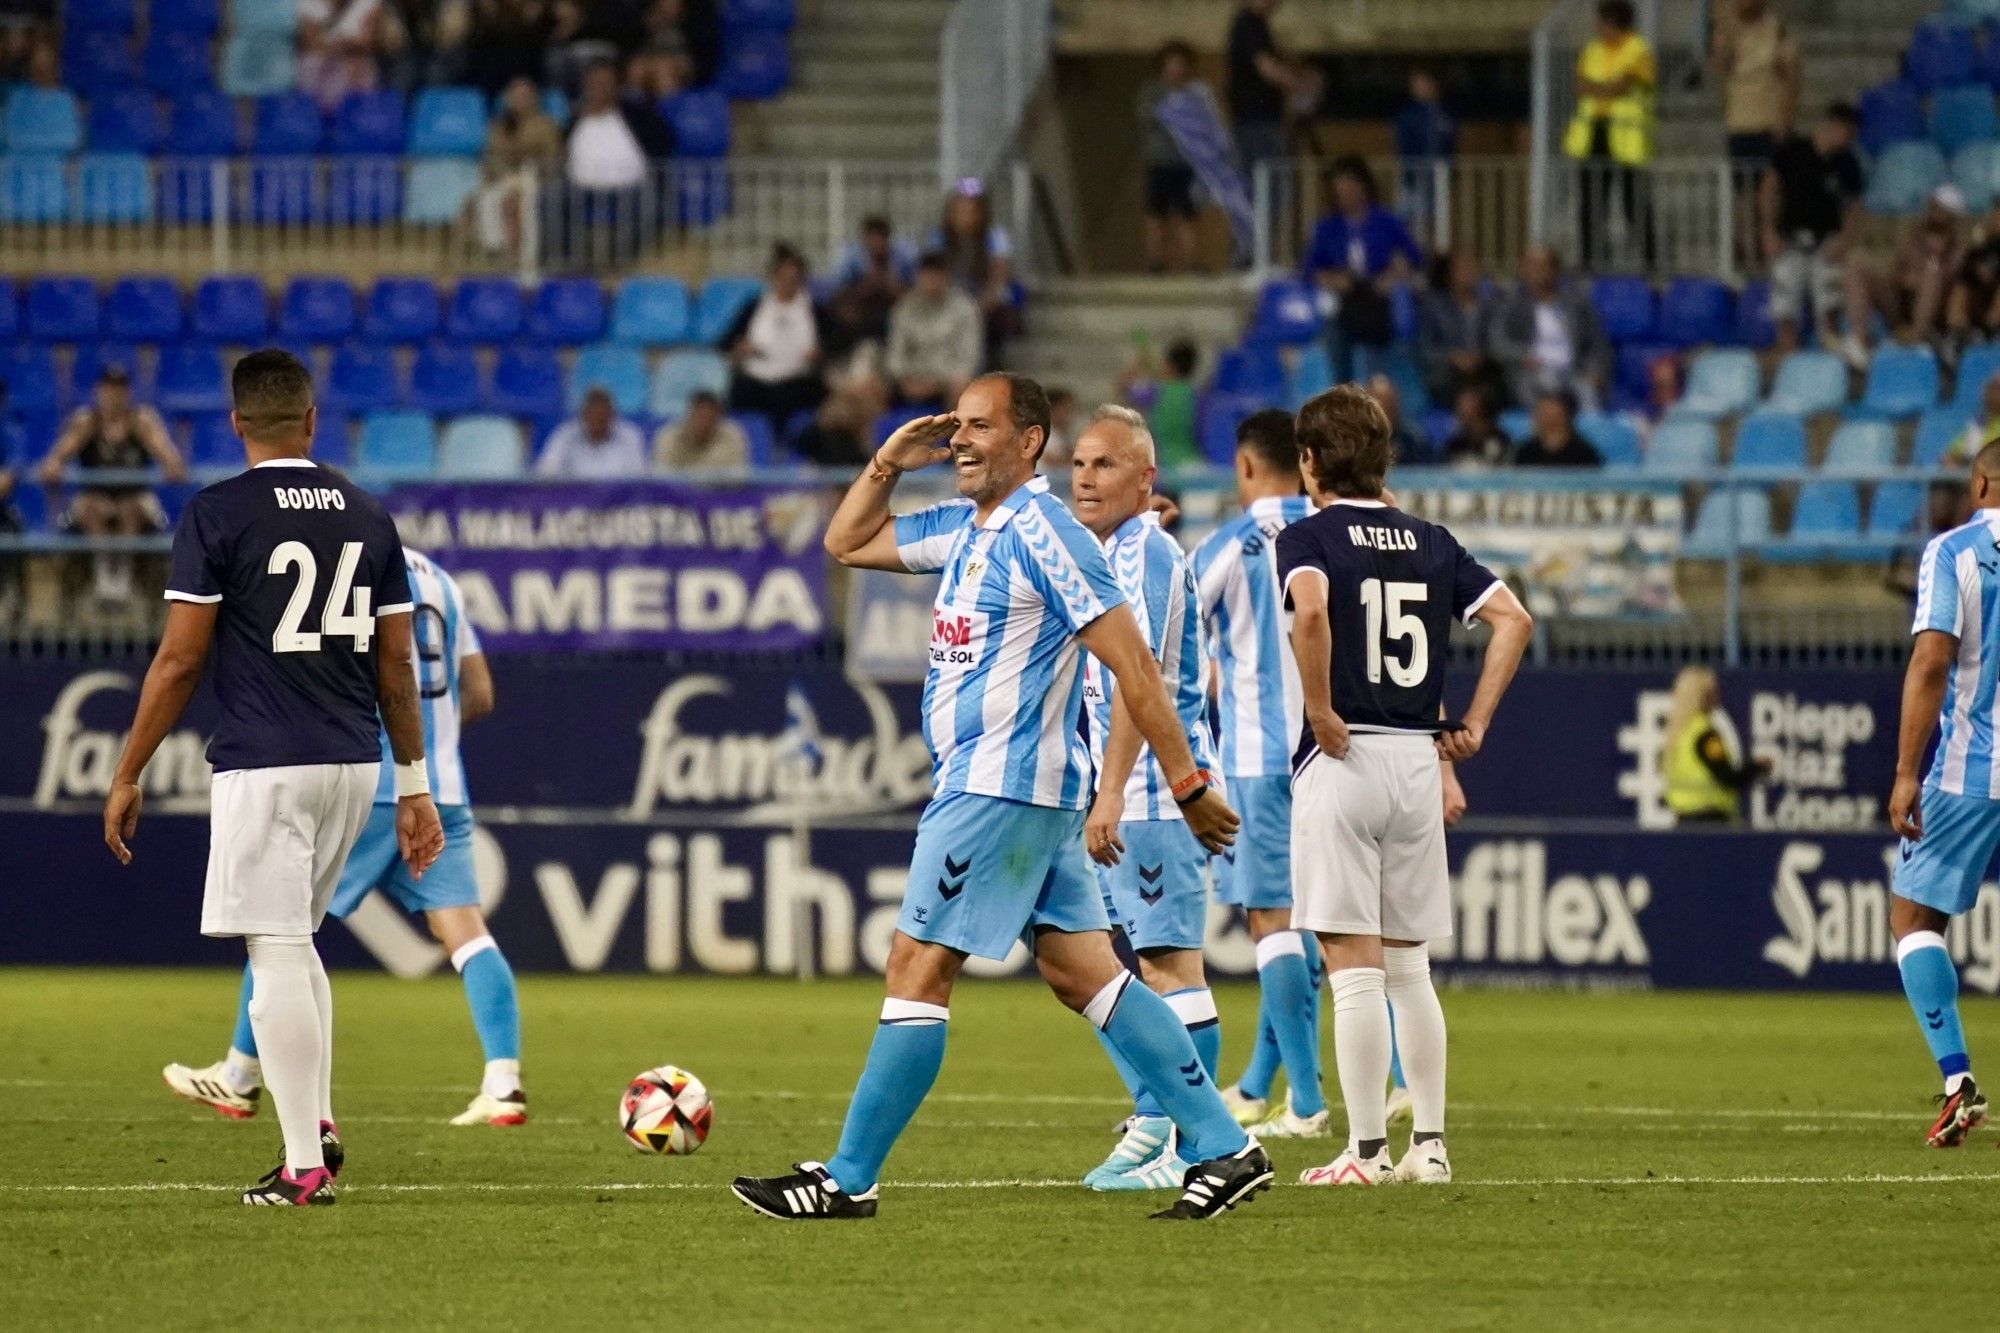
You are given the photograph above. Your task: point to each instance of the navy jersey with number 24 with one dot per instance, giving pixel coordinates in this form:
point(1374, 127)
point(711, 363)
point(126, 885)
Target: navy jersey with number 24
point(302, 561)
point(1394, 585)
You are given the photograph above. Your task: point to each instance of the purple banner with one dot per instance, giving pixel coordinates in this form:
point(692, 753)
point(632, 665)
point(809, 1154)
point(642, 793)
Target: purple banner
point(641, 564)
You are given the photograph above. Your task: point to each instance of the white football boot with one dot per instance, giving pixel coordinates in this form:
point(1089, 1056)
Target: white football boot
point(486, 1110)
point(1246, 1111)
point(1399, 1105)
point(1347, 1169)
point(1285, 1123)
point(212, 1088)
point(1425, 1164)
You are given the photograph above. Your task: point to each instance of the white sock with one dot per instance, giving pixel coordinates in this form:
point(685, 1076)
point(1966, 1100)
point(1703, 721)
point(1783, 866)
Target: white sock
point(1419, 1033)
point(285, 1018)
point(1951, 1081)
point(1361, 1049)
point(242, 1072)
point(503, 1078)
point(323, 1002)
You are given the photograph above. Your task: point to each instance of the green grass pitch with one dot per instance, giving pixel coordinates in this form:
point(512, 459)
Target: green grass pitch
point(1625, 1160)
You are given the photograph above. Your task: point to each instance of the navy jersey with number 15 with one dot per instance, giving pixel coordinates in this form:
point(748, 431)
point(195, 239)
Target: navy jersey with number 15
point(1394, 585)
point(301, 561)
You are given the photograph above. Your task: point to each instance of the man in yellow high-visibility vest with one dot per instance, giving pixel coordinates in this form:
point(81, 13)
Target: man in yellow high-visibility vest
point(1612, 131)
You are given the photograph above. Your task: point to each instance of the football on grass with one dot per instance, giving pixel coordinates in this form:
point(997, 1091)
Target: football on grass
point(665, 1110)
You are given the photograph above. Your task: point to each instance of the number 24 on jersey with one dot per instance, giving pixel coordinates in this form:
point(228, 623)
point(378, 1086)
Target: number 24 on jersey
point(355, 621)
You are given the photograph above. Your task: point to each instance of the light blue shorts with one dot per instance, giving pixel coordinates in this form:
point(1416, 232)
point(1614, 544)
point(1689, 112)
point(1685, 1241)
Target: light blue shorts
point(1158, 891)
point(986, 872)
point(1944, 868)
point(375, 864)
point(1257, 871)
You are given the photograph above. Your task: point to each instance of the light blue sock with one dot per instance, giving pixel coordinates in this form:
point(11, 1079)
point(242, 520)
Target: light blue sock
point(1931, 983)
point(1149, 1034)
point(1292, 1002)
point(903, 1062)
point(1263, 1067)
point(245, 1041)
point(489, 992)
point(1196, 1007)
point(1142, 1101)
point(1395, 1056)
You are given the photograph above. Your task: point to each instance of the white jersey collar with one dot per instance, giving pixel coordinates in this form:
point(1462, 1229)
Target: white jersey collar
point(1015, 502)
point(286, 462)
point(1358, 504)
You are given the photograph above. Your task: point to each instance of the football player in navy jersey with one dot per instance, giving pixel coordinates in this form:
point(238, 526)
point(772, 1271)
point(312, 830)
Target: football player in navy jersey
point(1373, 593)
point(294, 578)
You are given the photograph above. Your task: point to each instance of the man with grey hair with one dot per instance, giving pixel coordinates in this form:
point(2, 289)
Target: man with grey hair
point(1149, 864)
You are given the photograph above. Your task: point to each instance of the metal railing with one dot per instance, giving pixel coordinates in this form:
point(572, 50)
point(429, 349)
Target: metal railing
point(991, 57)
point(1558, 40)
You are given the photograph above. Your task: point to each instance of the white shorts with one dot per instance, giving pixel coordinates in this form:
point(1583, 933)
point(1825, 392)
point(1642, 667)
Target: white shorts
point(277, 841)
point(1368, 841)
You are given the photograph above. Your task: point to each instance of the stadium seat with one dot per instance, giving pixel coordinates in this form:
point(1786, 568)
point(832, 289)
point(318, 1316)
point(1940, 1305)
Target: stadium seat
point(1976, 365)
point(143, 309)
point(700, 122)
point(1808, 382)
point(359, 192)
point(444, 380)
point(1894, 508)
point(527, 382)
point(1612, 436)
point(1287, 314)
point(42, 120)
point(1770, 440)
point(618, 369)
point(767, 15)
point(485, 310)
point(1861, 447)
point(91, 361)
point(1902, 381)
point(650, 312)
point(97, 60)
point(127, 121)
point(258, 63)
point(1891, 113)
point(756, 67)
point(1631, 369)
point(680, 374)
point(1937, 430)
point(1624, 307)
point(29, 372)
point(1681, 445)
point(333, 438)
point(33, 189)
point(1218, 417)
point(451, 122)
point(203, 124)
point(761, 439)
point(316, 310)
point(277, 17)
point(283, 191)
point(1311, 373)
point(201, 17)
point(211, 441)
point(1975, 170)
point(480, 446)
point(362, 379)
point(398, 444)
point(172, 61)
point(1710, 537)
point(1754, 328)
point(10, 309)
point(701, 193)
point(402, 310)
point(1722, 383)
point(1824, 509)
point(190, 378)
point(114, 188)
point(1253, 372)
point(62, 309)
point(438, 189)
point(567, 312)
point(1939, 55)
point(722, 300)
point(231, 309)
point(107, 15)
point(1962, 115)
point(287, 125)
point(1903, 178)
point(1695, 311)
point(369, 124)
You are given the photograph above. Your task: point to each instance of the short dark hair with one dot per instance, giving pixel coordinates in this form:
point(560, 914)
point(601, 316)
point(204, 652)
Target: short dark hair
point(933, 261)
point(1027, 403)
point(877, 225)
point(1169, 49)
point(1344, 438)
point(1562, 398)
point(704, 398)
point(1618, 13)
point(1182, 357)
point(1356, 170)
point(1987, 461)
point(1846, 113)
point(1269, 435)
point(783, 253)
point(272, 392)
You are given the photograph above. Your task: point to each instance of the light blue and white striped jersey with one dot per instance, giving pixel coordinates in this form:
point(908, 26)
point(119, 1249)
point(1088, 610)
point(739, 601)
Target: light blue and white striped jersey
point(1006, 677)
point(1261, 704)
point(1154, 576)
point(1958, 592)
point(444, 637)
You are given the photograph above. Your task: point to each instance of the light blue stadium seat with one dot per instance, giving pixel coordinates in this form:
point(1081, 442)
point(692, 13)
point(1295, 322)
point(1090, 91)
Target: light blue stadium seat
point(650, 312)
point(1861, 447)
point(1976, 365)
point(278, 17)
point(1722, 382)
point(33, 189)
point(43, 120)
point(1962, 115)
point(1975, 170)
point(1827, 509)
point(398, 444)
point(1517, 424)
point(1770, 440)
point(258, 63)
point(480, 446)
point(114, 188)
point(437, 190)
point(1808, 382)
point(618, 369)
point(1681, 445)
point(1894, 509)
point(1710, 537)
point(448, 122)
point(1903, 178)
point(1613, 435)
point(722, 300)
point(1902, 381)
point(1974, 11)
point(1311, 374)
point(680, 374)
point(1937, 430)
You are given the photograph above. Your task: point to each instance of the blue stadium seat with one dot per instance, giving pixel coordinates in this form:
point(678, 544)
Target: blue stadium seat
point(42, 120)
point(231, 308)
point(450, 122)
point(1976, 365)
point(567, 312)
point(143, 309)
point(283, 191)
point(333, 438)
point(203, 124)
point(1722, 383)
point(1681, 445)
point(126, 121)
point(1903, 177)
point(438, 189)
point(402, 310)
point(190, 378)
point(184, 190)
point(1252, 372)
point(1808, 382)
point(316, 310)
point(680, 374)
point(109, 15)
point(1895, 507)
point(1695, 311)
point(1624, 306)
point(486, 310)
point(1287, 314)
point(172, 61)
point(762, 439)
point(701, 193)
point(398, 444)
point(1710, 537)
point(756, 67)
point(527, 382)
point(1754, 328)
point(700, 122)
point(92, 359)
point(1937, 430)
point(1824, 509)
point(1962, 115)
point(369, 124)
point(1861, 447)
point(201, 17)
point(1939, 55)
point(1891, 113)
point(287, 125)
point(722, 300)
point(28, 370)
point(616, 368)
point(1975, 170)
point(211, 441)
point(362, 379)
point(33, 189)
point(62, 309)
point(114, 188)
point(768, 15)
point(444, 380)
point(257, 63)
point(1612, 435)
point(361, 192)
point(650, 312)
point(1631, 368)
point(1770, 440)
point(1311, 373)
point(98, 60)
point(1217, 419)
point(480, 446)
point(1902, 381)
point(10, 310)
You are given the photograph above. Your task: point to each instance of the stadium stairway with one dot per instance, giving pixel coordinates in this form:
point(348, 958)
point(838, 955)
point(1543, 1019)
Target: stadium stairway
point(1080, 330)
point(865, 84)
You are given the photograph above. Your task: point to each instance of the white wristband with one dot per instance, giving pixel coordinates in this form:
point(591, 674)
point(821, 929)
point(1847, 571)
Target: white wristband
point(413, 779)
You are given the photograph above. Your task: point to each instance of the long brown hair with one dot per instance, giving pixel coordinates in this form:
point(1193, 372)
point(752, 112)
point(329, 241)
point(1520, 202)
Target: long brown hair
point(1343, 437)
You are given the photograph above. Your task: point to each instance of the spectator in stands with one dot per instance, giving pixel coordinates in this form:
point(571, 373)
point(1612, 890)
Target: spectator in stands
point(1972, 309)
point(1426, 134)
point(841, 432)
point(607, 208)
point(341, 43)
point(598, 445)
point(1705, 776)
point(508, 40)
point(662, 63)
point(430, 42)
point(1476, 441)
point(703, 440)
point(41, 66)
point(522, 146)
point(981, 257)
point(1062, 429)
point(112, 432)
point(1408, 445)
point(1358, 251)
point(872, 276)
point(1260, 80)
point(1555, 442)
point(1611, 134)
point(1666, 381)
point(1810, 206)
point(1758, 64)
point(1452, 318)
point(576, 43)
point(1909, 291)
point(1546, 337)
point(1166, 394)
point(779, 346)
point(934, 338)
point(1984, 426)
point(1170, 180)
